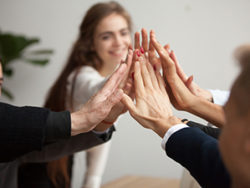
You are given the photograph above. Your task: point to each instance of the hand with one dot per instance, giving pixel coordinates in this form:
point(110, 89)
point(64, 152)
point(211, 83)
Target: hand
point(192, 86)
point(152, 109)
point(98, 107)
point(182, 98)
point(119, 108)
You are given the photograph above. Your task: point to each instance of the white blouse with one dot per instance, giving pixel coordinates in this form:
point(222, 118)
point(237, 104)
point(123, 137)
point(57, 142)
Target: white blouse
point(88, 81)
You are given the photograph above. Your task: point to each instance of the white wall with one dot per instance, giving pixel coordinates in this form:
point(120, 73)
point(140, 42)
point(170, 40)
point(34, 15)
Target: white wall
point(203, 34)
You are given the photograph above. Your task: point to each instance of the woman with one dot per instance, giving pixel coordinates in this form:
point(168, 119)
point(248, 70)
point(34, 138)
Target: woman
point(103, 41)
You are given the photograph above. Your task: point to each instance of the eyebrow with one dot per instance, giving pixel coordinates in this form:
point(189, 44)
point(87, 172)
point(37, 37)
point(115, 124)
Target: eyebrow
point(110, 32)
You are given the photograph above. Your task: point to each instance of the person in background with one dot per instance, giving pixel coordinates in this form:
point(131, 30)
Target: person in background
point(103, 42)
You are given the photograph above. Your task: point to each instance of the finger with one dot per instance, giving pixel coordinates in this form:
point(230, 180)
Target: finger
point(152, 76)
point(145, 74)
point(153, 59)
point(114, 80)
point(138, 81)
point(167, 48)
point(189, 81)
point(179, 70)
point(161, 82)
point(137, 40)
point(189, 84)
point(167, 63)
point(129, 62)
point(127, 101)
point(144, 39)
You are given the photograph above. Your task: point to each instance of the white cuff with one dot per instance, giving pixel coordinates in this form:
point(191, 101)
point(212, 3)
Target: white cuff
point(220, 97)
point(171, 131)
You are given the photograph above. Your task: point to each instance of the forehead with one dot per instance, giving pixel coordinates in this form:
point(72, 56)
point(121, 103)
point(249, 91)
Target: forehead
point(113, 22)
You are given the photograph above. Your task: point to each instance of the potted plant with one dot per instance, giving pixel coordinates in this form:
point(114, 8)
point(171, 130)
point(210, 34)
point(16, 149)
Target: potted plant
point(13, 49)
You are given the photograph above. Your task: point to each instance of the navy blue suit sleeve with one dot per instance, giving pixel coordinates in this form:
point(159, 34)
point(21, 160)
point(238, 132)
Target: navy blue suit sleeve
point(199, 153)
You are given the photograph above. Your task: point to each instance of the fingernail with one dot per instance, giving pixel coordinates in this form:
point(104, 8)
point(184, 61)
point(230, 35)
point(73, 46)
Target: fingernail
point(142, 50)
point(133, 76)
point(138, 53)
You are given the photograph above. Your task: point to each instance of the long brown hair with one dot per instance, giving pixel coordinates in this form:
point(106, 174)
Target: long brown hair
point(81, 54)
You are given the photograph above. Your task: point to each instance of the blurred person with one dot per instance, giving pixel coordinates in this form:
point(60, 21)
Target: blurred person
point(103, 42)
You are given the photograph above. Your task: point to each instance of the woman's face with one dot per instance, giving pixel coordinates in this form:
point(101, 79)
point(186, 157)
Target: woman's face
point(111, 39)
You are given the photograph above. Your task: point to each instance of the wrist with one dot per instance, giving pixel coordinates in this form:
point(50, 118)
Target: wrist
point(164, 125)
point(79, 123)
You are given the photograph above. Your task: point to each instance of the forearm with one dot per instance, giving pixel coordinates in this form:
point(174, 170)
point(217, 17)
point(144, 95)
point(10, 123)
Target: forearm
point(79, 123)
point(211, 112)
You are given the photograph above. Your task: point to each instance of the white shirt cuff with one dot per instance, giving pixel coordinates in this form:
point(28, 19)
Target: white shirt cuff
point(171, 131)
point(220, 97)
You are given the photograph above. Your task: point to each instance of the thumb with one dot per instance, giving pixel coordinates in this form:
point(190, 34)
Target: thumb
point(126, 100)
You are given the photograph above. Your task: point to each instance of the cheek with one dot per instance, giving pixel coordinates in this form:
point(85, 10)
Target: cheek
point(128, 40)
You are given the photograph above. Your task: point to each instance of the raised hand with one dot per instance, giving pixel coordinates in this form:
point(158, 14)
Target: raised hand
point(191, 85)
point(183, 99)
point(152, 109)
point(126, 86)
point(99, 106)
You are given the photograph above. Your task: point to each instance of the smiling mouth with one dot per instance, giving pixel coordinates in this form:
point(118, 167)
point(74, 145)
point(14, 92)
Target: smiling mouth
point(118, 53)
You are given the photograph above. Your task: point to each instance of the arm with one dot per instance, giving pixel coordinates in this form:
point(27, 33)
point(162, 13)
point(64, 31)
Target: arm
point(199, 153)
point(23, 129)
point(64, 147)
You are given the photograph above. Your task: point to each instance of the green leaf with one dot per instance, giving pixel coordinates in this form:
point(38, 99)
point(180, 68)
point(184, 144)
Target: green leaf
point(7, 94)
point(12, 46)
point(40, 62)
point(41, 52)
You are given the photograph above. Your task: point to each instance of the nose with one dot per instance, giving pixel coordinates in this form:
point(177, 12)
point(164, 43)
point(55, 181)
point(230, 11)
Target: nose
point(117, 40)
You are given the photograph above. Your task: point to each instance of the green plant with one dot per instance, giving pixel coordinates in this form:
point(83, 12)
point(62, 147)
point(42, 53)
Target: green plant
point(13, 49)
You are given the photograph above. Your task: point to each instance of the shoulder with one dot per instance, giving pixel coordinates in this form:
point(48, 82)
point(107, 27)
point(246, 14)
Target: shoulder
point(84, 73)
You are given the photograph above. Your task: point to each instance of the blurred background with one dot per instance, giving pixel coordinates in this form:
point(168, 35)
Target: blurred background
point(202, 33)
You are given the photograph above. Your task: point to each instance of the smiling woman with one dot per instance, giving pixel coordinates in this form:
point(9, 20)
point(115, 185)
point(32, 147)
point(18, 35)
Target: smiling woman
point(102, 44)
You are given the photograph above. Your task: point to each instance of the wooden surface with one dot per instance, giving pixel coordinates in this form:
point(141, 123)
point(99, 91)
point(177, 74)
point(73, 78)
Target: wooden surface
point(142, 182)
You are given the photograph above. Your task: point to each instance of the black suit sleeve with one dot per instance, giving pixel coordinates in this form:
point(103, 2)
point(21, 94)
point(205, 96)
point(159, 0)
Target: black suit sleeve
point(25, 129)
point(211, 131)
point(199, 153)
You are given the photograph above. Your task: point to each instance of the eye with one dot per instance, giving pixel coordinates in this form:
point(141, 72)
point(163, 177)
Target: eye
point(105, 37)
point(125, 33)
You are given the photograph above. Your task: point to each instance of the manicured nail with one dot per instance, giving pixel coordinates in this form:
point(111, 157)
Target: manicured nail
point(142, 50)
point(138, 53)
point(133, 76)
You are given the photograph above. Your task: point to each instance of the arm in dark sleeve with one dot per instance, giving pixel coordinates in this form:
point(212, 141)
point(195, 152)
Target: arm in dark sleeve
point(211, 131)
point(199, 153)
point(25, 129)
